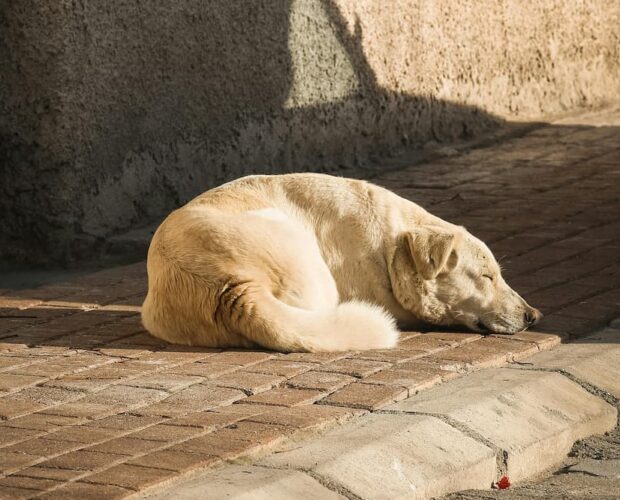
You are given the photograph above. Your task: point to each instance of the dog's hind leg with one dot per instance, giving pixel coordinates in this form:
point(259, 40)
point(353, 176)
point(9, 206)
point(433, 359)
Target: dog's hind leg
point(249, 309)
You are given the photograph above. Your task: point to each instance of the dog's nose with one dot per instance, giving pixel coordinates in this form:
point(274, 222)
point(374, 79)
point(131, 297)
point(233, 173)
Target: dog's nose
point(532, 316)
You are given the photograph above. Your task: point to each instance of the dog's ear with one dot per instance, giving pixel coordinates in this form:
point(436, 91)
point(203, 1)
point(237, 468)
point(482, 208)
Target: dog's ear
point(431, 247)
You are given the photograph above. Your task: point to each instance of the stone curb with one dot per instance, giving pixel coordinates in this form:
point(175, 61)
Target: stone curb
point(518, 420)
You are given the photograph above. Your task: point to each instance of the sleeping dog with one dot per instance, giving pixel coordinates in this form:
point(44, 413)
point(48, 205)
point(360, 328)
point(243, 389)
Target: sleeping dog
point(310, 262)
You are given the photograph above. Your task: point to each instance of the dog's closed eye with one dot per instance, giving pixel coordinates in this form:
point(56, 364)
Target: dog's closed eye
point(488, 276)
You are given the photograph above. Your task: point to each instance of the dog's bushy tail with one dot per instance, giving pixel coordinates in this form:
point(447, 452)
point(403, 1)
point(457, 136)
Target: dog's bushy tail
point(352, 325)
point(249, 311)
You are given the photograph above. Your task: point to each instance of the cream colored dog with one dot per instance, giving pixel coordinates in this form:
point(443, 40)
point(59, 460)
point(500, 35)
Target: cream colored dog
point(309, 262)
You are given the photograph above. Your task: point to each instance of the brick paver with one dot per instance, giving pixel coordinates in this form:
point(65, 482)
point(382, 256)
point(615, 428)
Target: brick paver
point(90, 404)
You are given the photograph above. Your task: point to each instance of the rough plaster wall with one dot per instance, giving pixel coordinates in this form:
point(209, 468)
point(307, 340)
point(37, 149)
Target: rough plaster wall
point(520, 59)
point(113, 113)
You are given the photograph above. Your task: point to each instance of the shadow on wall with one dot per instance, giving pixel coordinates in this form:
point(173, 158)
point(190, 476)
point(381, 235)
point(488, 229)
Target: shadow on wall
point(134, 111)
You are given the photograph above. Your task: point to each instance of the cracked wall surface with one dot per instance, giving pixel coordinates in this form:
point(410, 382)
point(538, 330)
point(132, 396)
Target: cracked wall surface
point(115, 113)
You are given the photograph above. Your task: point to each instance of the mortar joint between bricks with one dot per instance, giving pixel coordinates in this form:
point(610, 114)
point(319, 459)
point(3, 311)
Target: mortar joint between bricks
point(96, 352)
point(331, 485)
point(592, 389)
point(327, 483)
point(501, 455)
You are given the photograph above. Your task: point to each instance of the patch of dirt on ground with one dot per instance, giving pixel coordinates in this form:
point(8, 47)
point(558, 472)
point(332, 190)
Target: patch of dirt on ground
point(565, 487)
point(606, 447)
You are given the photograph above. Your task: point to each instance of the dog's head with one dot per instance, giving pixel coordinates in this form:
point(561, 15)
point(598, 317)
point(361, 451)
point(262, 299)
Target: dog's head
point(446, 276)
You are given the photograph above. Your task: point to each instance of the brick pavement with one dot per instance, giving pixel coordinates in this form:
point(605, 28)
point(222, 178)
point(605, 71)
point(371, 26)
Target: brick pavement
point(91, 405)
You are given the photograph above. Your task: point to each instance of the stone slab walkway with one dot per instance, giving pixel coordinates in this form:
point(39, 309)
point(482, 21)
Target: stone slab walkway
point(512, 422)
point(91, 405)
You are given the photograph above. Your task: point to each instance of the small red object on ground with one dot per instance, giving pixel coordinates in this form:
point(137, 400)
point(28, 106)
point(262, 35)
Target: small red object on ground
point(503, 483)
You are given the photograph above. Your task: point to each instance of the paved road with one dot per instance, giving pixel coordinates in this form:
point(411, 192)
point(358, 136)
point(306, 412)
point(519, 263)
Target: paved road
point(90, 404)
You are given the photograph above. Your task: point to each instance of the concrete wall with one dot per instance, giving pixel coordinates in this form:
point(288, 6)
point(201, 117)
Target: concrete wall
point(115, 112)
